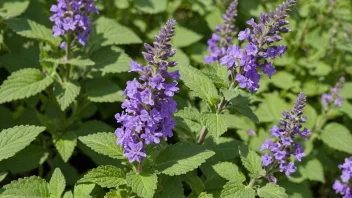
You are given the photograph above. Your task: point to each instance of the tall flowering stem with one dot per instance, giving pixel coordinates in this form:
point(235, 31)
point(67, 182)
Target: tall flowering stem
point(243, 65)
point(282, 143)
point(344, 188)
point(149, 105)
point(222, 39)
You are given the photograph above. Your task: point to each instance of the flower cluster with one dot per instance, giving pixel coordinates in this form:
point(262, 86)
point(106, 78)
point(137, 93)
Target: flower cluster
point(344, 188)
point(259, 49)
point(72, 16)
point(149, 106)
point(334, 96)
point(221, 40)
point(282, 143)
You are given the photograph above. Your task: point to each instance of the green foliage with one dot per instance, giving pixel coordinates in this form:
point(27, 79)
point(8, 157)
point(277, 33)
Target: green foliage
point(105, 176)
point(241, 104)
point(26, 187)
point(170, 187)
point(229, 171)
point(23, 84)
point(103, 90)
point(144, 185)
point(103, 143)
point(272, 190)
point(66, 93)
point(251, 160)
point(337, 137)
point(217, 124)
point(11, 8)
point(17, 138)
point(65, 144)
point(181, 158)
point(57, 184)
point(237, 189)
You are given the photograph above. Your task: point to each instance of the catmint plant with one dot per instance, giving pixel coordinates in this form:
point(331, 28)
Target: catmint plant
point(149, 105)
point(222, 39)
point(283, 143)
point(344, 188)
point(333, 98)
point(71, 19)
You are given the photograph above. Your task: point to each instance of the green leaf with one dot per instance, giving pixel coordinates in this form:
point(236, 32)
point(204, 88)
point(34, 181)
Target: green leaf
point(66, 93)
point(109, 32)
point(105, 176)
point(271, 190)
point(17, 138)
point(284, 80)
point(181, 158)
point(23, 84)
point(116, 194)
point(121, 4)
point(337, 137)
point(195, 183)
point(205, 195)
point(111, 59)
point(143, 185)
point(32, 156)
point(229, 171)
point(224, 148)
point(2, 175)
point(191, 116)
point(199, 83)
point(217, 124)
point(93, 126)
point(57, 184)
point(27, 187)
point(13, 8)
point(103, 90)
point(83, 190)
point(103, 143)
point(65, 144)
point(81, 62)
point(184, 37)
point(170, 187)
point(237, 189)
point(150, 6)
point(241, 104)
point(251, 161)
point(31, 29)
point(347, 108)
point(346, 91)
point(68, 194)
point(314, 171)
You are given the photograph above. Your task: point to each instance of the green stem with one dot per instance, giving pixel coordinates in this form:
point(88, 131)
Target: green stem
point(251, 183)
point(68, 56)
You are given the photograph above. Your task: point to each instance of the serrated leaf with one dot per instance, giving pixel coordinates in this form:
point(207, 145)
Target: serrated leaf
point(103, 143)
point(314, 171)
point(68, 194)
point(337, 137)
point(170, 187)
point(105, 176)
point(181, 158)
point(33, 187)
point(184, 37)
point(65, 144)
point(66, 93)
point(143, 185)
point(251, 161)
point(224, 148)
point(108, 32)
point(31, 29)
point(2, 175)
point(271, 190)
point(150, 6)
point(199, 83)
point(241, 104)
point(57, 184)
point(83, 190)
point(191, 116)
point(12, 8)
point(111, 59)
point(32, 156)
point(217, 124)
point(237, 189)
point(229, 171)
point(103, 90)
point(17, 138)
point(195, 183)
point(23, 84)
point(81, 62)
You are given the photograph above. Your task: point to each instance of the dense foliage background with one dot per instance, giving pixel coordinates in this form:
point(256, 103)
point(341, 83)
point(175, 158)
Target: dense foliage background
point(319, 53)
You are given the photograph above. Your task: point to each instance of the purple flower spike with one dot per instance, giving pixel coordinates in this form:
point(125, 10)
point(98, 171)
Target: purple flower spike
point(221, 40)
point(344, 188)
point(282, 142)
point(149, 106)
point(72, 16)
point(333, 98)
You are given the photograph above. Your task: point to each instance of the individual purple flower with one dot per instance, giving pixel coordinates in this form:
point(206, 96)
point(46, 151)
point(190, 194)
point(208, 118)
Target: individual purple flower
point(267, 160)
point(251, 132)
point(344, 188)
point(149, 106)
point(71, 16)
point(260, 49)
point(221, 40)
point(282, 142)
point(333, 98)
